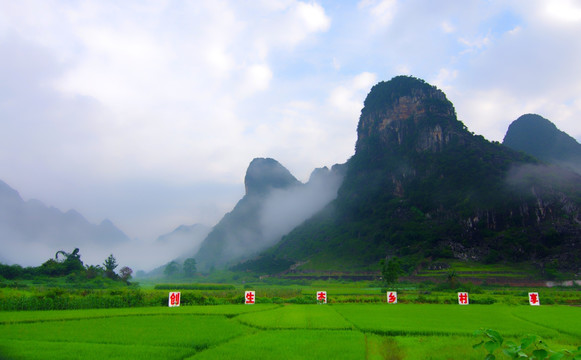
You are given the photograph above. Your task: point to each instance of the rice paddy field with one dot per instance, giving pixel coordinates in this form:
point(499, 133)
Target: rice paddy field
point(281, 331)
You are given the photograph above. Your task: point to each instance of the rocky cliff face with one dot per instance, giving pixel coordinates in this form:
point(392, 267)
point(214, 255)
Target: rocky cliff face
point(408, 114)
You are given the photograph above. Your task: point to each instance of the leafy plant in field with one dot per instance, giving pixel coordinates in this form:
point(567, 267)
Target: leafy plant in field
point(530, 347)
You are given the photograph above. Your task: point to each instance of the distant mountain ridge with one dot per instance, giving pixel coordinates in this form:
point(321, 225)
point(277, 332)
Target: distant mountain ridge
point(421, 185)
point(539, 137)
point(25, 223)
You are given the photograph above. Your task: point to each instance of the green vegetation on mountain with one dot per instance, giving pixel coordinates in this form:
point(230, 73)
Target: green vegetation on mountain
point(421, 185)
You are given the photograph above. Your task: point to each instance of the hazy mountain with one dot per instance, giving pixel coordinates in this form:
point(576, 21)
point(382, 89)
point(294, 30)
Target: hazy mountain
point(540, 138)
point(274, 203)
point(420, 185)
point(31, 227)
point(185, 239)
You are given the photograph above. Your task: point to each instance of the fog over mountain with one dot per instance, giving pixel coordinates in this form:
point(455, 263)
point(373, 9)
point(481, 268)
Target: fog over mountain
point(275, 203)
point(31, 232)
point(183, 242)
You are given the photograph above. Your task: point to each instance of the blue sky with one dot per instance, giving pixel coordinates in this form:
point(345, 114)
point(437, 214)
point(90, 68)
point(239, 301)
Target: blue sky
point(148, 112)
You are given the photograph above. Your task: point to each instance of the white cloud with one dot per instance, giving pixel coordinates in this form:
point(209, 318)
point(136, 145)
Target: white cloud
point(348, 98)
point(563, 10)
point(447, 27)
point(382, 11)
point(313, 17)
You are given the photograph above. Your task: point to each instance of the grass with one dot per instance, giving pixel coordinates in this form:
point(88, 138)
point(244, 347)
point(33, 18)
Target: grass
point(338, 331)
point(429, 319)
point(291, 344)
point(297, 317)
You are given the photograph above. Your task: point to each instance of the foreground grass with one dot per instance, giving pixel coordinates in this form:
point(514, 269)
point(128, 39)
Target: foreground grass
point(341, 331)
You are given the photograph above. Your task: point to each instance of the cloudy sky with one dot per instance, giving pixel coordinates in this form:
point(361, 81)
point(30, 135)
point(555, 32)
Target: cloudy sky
point(148, 112)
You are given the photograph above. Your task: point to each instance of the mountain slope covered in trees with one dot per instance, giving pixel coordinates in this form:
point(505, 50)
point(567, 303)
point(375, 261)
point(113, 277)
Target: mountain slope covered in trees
point(421, 185)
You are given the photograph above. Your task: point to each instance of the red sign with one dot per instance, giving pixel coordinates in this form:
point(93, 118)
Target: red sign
point(392, 297)
point(534, 298)
point(249, 297)
point(174, 299)
point(463, 298)
point(322, 297)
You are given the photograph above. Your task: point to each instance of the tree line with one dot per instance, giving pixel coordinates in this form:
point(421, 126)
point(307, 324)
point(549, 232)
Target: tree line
point(66, 264)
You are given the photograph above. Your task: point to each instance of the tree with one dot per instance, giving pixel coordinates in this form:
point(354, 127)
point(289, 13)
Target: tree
point(171, 269)
point(390, 270)
point(190, 267)
point(72, 261)
point(125, 273)
point(110, 264)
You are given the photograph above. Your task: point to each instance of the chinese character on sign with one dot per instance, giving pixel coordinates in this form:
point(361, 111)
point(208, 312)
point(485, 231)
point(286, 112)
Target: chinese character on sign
point(322, 297)
point(249, 297)
point(534, 298)
point(392, 297)
point(463, 298)
point(174, 299)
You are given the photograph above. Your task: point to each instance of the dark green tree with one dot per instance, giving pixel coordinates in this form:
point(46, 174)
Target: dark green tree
point(171, 269)
point(391, 270)
point(71, 262)
point(110, 264)
point(190, 267)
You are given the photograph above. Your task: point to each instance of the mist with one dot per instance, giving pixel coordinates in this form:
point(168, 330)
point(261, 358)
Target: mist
point(526, 177)
point(284, 210)
point(265, 214)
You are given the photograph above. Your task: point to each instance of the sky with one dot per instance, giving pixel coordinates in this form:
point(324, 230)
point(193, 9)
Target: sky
point(148, 113)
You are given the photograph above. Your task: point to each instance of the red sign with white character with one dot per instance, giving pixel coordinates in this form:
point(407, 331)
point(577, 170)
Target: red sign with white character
point(249, 297)
point(463, 298)
point(174, 299)
point(322, 297)
point(392, 297)
point(534, 298)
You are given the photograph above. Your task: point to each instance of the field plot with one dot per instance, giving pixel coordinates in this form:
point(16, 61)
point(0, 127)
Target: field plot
point(430, 319)
point(340, 331)
point(297, 317)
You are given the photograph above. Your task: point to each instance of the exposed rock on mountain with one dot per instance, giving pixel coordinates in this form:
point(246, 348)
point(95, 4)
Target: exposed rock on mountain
point(537, 136)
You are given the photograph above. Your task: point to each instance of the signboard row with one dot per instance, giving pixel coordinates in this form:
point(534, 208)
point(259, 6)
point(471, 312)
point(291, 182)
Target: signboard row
point(250, 298)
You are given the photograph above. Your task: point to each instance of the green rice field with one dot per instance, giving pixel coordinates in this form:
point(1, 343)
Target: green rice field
point(280, 331)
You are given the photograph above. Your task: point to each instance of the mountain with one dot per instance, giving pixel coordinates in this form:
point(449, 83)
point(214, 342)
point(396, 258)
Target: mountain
point(186, 239)
point(31, 225)
point(537, 136)
point(274, 203)
point(421, 185)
